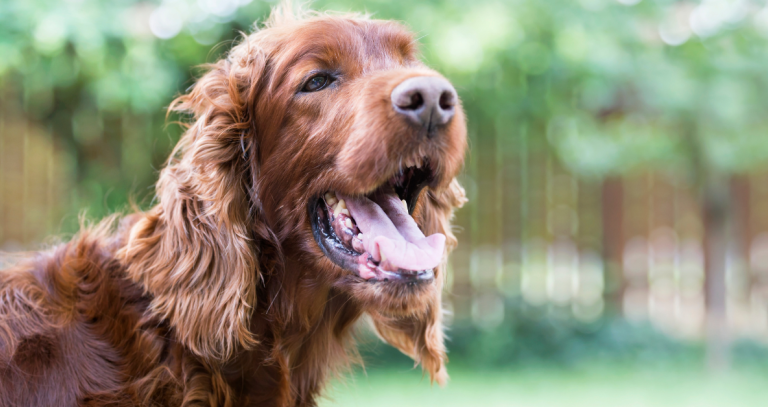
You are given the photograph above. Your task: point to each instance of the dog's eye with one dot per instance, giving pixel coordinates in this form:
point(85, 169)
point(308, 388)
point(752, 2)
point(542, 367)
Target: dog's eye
point(317, 82)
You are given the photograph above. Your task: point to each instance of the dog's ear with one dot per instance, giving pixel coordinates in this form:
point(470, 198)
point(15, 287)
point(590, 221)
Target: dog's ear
point(420, 335)
point(196, 251)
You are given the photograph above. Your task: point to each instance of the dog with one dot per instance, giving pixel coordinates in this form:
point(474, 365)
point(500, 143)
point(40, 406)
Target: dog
point(314, 185)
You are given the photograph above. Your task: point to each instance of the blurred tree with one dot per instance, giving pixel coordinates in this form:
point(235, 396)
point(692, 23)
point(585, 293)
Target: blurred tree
point(688, 101)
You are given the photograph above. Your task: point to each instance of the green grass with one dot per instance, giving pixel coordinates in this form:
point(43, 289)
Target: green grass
point(552, 387)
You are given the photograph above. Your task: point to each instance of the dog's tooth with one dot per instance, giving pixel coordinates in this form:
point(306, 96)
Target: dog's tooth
point(341, 205)
point(360, 236)
point(348, 223)
point(345, 211)
point(405, 204)
point(357, 244)
point(330, 198)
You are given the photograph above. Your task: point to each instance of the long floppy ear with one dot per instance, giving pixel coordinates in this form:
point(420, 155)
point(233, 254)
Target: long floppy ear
point(420, 336)
point(195, 252)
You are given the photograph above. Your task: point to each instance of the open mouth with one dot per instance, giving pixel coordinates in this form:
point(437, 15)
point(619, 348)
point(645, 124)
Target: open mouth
point(375, 235)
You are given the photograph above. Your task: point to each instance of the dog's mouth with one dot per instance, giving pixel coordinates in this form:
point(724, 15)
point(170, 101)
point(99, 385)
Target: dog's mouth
point(375, 235)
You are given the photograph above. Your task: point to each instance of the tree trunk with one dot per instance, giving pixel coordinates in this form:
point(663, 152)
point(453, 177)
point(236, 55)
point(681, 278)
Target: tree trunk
point(716, 207)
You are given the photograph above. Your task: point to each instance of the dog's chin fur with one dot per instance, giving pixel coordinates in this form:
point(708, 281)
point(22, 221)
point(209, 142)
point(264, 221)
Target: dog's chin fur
point(396, 299)
point(219, 294)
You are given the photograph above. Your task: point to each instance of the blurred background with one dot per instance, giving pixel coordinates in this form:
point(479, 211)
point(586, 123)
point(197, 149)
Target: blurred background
point(615, 245)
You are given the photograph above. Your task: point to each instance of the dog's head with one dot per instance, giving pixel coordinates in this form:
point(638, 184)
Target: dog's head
point(358, 143)
point(327, 141)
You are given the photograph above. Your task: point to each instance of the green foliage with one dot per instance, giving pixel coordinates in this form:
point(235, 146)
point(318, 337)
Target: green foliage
point(538, 336)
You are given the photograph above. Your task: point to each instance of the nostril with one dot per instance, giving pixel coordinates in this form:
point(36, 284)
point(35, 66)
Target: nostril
point(414, 102)
point(447, 100)
point(417, 101)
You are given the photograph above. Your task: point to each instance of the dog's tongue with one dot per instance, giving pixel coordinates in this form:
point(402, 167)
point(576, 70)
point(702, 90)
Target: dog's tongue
point(391, 236)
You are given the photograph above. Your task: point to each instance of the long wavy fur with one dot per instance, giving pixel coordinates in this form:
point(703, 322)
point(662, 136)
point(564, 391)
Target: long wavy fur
point(195, 252)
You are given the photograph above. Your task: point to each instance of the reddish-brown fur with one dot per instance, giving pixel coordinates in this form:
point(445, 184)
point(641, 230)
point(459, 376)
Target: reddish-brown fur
point(219, 295)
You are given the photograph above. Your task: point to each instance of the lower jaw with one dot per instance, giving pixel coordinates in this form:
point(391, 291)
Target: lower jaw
point(405, 276)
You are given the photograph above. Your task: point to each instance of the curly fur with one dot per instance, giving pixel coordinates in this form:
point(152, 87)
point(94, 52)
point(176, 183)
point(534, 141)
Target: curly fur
point(219, 295)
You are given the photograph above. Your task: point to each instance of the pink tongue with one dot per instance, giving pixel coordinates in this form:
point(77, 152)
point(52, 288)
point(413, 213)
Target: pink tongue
point(391, 234)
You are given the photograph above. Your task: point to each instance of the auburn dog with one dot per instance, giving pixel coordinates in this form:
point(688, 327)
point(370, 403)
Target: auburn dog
point(314, 185)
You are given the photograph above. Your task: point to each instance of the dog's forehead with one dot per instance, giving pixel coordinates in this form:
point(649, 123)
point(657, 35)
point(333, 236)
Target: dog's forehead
point(353, 46)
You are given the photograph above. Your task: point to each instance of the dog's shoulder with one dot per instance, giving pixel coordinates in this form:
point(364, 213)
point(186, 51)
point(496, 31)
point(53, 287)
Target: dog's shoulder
point(71, 324)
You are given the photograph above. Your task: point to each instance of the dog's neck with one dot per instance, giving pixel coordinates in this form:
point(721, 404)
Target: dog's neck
point(305, 337)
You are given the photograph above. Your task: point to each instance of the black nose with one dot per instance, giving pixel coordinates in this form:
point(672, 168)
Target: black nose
point(425, 101)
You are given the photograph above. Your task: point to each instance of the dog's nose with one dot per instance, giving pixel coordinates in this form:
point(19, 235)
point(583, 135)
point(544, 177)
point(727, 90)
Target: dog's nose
point(425, 101)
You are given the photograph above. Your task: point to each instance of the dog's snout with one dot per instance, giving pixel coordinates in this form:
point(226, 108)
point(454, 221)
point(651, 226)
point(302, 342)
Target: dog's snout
point(425, 101)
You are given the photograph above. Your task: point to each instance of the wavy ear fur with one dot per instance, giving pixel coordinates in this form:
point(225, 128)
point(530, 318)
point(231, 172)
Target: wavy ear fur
point(421, 336)
point(195, 251)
